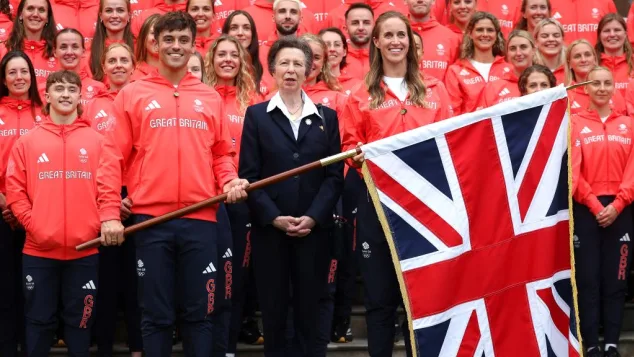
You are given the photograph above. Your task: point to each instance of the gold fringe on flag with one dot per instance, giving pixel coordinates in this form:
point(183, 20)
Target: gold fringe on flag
point(571, 230)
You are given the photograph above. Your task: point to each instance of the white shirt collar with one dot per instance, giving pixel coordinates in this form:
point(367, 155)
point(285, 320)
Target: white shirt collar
point(309, 107)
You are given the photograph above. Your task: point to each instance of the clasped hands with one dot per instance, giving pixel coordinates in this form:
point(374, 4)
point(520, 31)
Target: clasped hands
point(294, 226)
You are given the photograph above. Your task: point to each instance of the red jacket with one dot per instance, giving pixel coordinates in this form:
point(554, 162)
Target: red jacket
point(235, 117)
point(441, 45)
point(358, 62)
point(35, 50)
point(6, 25)
point(320, 9)
point(437, 98)
point(580, 101)
point(56, 188)
point(348, 82)
point(508, 12)
point(580, 18)
point(224, 8)
point(159, 7)
point(319, 93)
point(89, 87)
point(500, 91)
point(364, 125)
point(262, 13)
point(204, 43)
point(138, 6)
point(78, 14)
point(142, 69)
point(602, 160)
point(16, 119)
point(99, 111)
point(178, 133)
point(620, 70)
point(465, 84)
point(337, 17)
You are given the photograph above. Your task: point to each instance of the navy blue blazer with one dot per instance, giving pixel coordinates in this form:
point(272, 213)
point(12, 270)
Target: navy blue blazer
point(268, 147)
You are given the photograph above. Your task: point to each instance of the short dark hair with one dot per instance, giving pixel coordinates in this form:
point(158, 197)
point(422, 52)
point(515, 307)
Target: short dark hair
point(359, 5)
point(63, 76)
point(175, 21)
point(343, 41)
point(290, 42)
point(34, 95)
point(536, 68)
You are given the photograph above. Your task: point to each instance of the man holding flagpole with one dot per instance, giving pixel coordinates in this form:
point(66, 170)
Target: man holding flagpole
point(176, 149)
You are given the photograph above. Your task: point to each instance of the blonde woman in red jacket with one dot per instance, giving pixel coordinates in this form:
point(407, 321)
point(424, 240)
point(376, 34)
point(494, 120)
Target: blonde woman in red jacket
point(614, 49)
point(549, 38)
point(581, 59)
point(56, 190)
point(320, 85)
point(520, 53)
point(228, 71)
point(603, 174)
point(20, 112)
point(481, 62)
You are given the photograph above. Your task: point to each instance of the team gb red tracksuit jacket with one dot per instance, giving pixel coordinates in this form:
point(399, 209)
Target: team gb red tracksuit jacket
point(180, 144)
point(55, 188)
point(602, 159)
point(16, 120)
point(365, 125)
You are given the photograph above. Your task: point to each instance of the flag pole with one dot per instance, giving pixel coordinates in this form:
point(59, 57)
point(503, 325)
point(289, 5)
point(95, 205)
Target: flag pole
point(577, 85)
point(220, 198)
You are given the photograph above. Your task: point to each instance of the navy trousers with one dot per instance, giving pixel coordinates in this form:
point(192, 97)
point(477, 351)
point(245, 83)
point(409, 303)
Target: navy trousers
point(178, 271)
point(46, 283)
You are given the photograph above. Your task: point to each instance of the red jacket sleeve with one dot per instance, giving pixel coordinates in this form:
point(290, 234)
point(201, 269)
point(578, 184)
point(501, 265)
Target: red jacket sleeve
point(17, 195)
point(446, 109)
point(630, 25)
point(108, 190)
point(629, 92)
point(353, 128)
point(453, 88)
point(625, 195)
point(222, 151)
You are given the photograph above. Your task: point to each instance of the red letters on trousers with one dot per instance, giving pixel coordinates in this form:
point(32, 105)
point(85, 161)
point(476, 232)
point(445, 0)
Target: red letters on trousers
point(88, 304)
point(211, 292)
point(623, 262)
point(228, 279)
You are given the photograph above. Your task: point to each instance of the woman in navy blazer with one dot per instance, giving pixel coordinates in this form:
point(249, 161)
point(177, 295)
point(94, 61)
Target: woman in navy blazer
point(291, 219)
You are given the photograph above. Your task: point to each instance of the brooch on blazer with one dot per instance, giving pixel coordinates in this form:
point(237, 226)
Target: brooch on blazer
point(308, 121)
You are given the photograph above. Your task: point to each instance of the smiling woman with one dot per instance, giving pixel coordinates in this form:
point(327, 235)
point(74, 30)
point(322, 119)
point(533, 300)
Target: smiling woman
point(69, 51)
point(113, 26)
point(481, 61)
point(33, 33)
point(207, 26)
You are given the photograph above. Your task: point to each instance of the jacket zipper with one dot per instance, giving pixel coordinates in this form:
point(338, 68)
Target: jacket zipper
point(64, 183)
point(178, 146)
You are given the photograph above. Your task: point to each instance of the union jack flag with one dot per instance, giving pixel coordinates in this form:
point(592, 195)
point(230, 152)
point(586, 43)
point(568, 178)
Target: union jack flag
point(475, 208)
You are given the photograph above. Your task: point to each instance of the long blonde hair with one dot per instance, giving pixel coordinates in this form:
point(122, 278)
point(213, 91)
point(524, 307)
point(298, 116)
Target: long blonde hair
point(245, 85)
point(326, 75)
point(413, 77)
point(538, 29)
point(570, 73)
point(468, 49)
